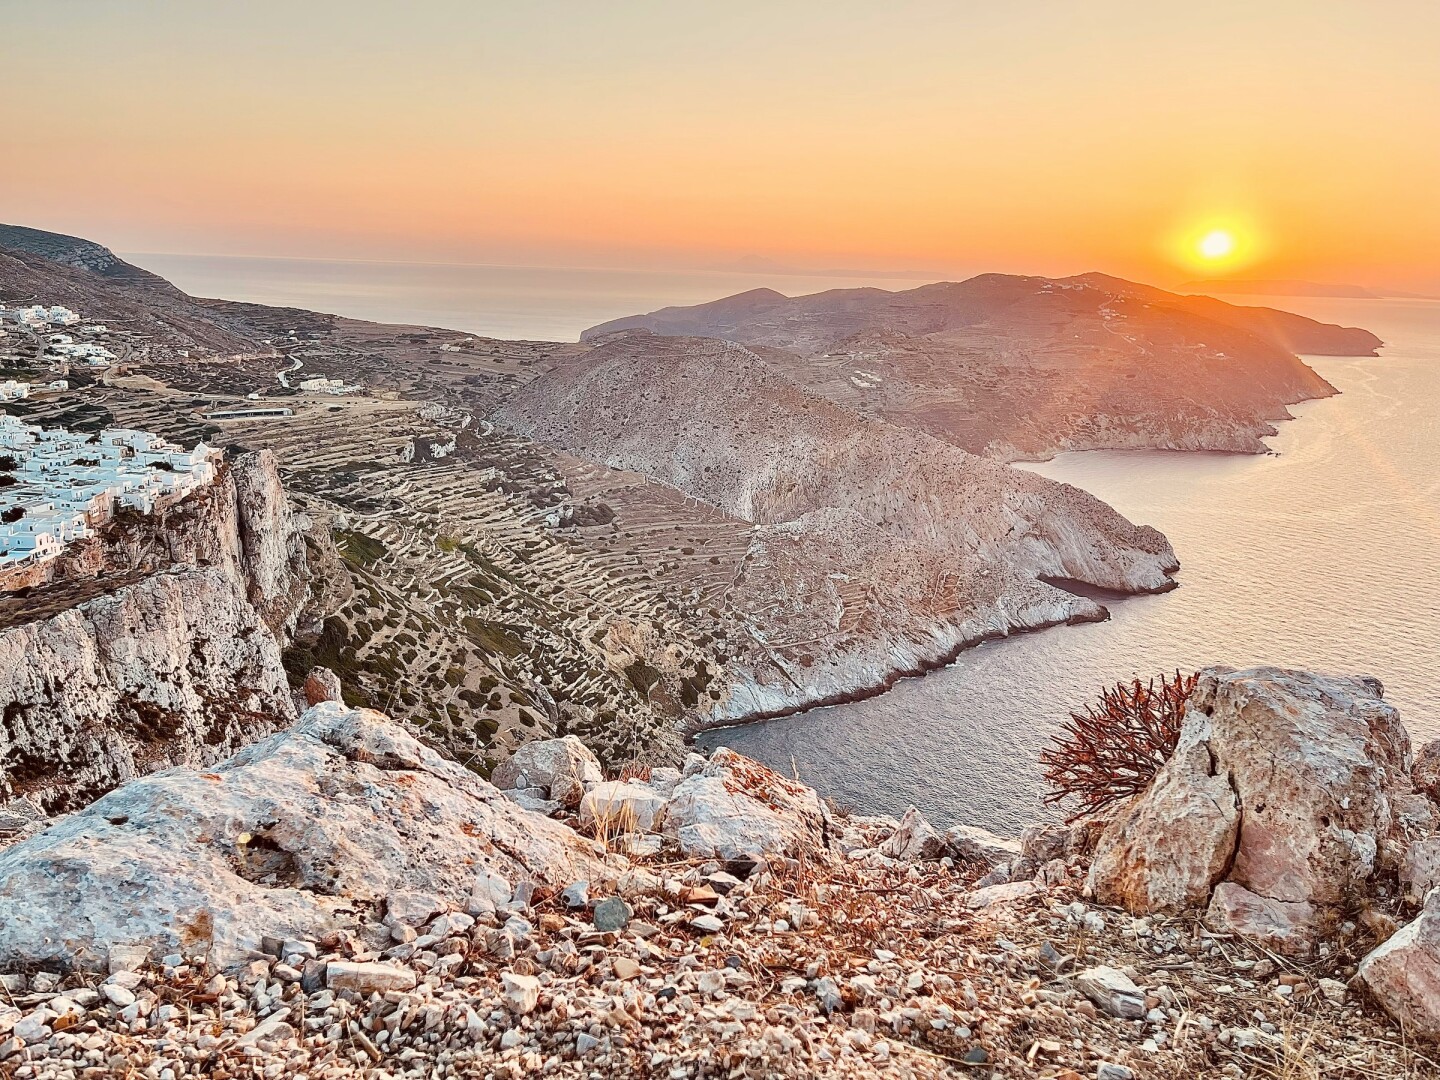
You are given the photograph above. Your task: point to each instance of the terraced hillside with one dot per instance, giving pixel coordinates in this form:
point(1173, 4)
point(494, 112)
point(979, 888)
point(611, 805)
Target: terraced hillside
point(874, 549)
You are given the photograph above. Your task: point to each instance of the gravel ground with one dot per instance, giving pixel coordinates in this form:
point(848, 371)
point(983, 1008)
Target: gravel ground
point(848, 966)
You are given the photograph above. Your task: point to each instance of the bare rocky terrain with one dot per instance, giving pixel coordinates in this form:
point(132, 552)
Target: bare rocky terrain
point(639, 535)
point(1023, 367)
point(338, 900)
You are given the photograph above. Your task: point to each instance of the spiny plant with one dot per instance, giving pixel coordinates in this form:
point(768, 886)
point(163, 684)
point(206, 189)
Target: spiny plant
point(1113, 749)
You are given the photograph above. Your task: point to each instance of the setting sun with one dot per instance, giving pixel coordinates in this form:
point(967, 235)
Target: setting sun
point(1217, 244)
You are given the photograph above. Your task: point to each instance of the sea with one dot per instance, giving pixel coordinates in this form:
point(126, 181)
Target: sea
point(1323, 554)
point(519, 303)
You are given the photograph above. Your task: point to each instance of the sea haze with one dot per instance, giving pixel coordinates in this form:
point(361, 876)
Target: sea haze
point(1323, 555)
point(514, 302)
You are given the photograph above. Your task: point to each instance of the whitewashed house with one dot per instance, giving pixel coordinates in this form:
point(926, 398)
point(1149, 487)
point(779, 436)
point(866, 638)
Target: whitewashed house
point(70, 483)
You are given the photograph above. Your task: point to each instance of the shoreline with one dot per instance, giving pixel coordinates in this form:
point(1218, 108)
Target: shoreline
point(924, 665)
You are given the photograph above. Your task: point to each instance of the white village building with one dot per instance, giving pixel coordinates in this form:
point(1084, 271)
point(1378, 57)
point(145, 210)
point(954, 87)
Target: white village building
point(328, 386)
point(94, 355)
point(38, 315)
point(10, 390)
point(68, 484)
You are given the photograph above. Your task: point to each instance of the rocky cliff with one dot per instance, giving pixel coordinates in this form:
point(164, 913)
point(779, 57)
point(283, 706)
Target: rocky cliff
point(156, 643)
point(176, 668)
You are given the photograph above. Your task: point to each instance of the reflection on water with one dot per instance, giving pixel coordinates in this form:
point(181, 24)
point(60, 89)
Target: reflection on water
point(1325, 555)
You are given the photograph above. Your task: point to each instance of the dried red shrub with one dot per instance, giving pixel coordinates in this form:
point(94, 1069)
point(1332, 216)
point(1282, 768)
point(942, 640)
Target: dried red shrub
point(1112, 750)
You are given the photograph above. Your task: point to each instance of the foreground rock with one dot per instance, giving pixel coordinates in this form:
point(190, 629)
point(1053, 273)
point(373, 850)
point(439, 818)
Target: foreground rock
point(1276, 809)
point(338, 902)
point(871, 967)
point(732, 807)
point(1404, 972)
point(724, 807)
point(297, 836)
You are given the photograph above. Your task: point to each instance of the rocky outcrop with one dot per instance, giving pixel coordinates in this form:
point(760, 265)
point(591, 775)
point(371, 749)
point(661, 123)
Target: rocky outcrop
point(175, 669)
point(731, 808)
point(273, 560)
point(726, 807)
point(1276, 809)
point(297, 837)
point(157, 642)
point(242, 524)
point(562, 767)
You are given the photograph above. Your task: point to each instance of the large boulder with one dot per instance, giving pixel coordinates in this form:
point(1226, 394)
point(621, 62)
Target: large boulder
point(915, 840)
point(972, 844)
point(1310, 765)
point(299, 835)
point(1425, 773)
point(732, 808)
point(617, 807)
point(563, 767)
point(1174, 845)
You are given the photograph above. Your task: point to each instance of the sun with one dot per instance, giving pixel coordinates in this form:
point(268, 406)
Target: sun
point(1216, 244)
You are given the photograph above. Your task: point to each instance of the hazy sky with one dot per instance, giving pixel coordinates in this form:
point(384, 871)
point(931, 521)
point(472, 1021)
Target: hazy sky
point(1038, 136)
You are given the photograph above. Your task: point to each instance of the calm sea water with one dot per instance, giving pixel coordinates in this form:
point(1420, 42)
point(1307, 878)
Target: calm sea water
point(1324, 555)
point(515, 302)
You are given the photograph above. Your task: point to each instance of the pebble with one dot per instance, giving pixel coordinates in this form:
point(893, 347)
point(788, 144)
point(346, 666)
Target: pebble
point(611, 914)
point(576, 894)
point(521, 993)
point(367, 978)
point(117, 995)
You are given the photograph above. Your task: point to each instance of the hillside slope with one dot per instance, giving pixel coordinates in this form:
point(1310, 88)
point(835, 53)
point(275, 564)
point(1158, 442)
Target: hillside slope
point(855, 517)
point(1026, 366)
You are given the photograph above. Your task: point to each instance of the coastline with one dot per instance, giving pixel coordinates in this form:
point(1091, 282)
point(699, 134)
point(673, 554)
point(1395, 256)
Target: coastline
point(923, 662)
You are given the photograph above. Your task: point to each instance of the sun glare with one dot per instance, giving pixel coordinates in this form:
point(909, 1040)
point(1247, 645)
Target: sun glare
point(1216, 244)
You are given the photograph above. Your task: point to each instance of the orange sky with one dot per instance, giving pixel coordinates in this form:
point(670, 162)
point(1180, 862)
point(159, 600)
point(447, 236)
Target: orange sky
point(1054, 137)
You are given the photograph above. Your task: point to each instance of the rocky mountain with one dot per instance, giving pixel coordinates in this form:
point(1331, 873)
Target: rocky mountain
point(1025, 366)
point(157, 642)
point(89, 278)
point(80, 254)
point(895, 511)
